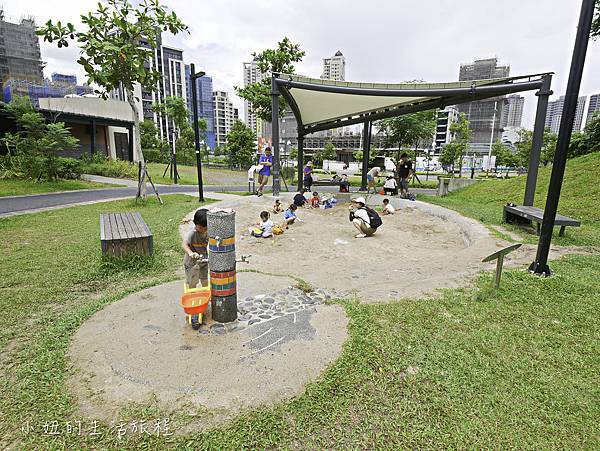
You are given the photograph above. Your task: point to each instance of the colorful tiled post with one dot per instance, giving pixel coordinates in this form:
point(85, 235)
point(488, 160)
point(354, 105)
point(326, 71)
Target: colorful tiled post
point(221, 261)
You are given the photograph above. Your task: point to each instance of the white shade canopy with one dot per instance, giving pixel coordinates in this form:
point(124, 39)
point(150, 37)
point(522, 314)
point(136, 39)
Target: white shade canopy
point(318, 102)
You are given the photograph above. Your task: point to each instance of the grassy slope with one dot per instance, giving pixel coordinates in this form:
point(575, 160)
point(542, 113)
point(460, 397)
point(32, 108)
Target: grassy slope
point(15, 187)
point(580, 198)
point(474, 368)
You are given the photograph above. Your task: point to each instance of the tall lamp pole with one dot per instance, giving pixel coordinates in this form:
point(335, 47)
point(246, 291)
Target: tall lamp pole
point(540, 265)
point(193, 77)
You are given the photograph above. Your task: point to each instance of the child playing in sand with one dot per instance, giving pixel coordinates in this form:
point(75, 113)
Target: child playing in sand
point(290, 215)
point(387, 208)
point(277, 208)
point(194, 244)
point(264, 229)
point(315, 201)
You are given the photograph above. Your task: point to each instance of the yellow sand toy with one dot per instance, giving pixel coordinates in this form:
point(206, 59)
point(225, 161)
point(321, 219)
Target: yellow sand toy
point(194, 302)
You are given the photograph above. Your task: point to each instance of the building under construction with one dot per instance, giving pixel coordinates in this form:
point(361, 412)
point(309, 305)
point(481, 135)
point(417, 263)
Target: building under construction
point(485, 115)
point(20, 57)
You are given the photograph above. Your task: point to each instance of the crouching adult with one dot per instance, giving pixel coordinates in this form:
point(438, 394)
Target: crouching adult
point(365, 219)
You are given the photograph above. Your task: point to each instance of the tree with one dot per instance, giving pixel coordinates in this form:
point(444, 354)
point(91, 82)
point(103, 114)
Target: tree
point(587, 141)
point(596, 23)
point(454, 151)
point(240, 145)
point(149, 135)
point(504, 155)
point(326, 153)
point(408, 130)
point(524, 147)
point(116, 44)
point(548, 147)
point(32, 151)
point(279, 60)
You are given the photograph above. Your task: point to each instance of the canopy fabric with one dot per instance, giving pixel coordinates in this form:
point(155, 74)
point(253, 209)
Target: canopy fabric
point(314, 104)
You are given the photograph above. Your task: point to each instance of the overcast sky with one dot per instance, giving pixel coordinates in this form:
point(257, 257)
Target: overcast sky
point(382, 40)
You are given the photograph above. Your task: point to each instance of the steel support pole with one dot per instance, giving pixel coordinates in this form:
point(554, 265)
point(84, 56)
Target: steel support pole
point(93, 138)
point(365, 158)
point(130, 142)
point(275, 133)
point(300, 161)
point(540, 265)
point(196, 132)
point(537, 140)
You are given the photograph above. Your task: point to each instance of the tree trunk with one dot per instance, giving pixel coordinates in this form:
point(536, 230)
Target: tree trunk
point(137, 140)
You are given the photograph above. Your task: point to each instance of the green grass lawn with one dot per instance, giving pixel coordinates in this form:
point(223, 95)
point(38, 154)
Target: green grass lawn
point(580, 199)
point(189, 175)
point(474, 368)
point(17, 187)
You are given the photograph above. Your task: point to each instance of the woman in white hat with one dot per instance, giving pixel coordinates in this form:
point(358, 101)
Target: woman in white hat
point(360, 218)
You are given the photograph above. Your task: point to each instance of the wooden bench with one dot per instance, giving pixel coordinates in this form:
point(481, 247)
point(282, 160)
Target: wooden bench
point(124, 234)
point(522, 214)
point(326, 183)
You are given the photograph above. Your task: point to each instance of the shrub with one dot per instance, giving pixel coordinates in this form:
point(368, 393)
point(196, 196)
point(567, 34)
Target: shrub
point(69, 168)
point(100, 165)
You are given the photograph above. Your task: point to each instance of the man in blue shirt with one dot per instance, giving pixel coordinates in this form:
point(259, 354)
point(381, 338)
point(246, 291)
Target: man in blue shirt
point(266, 160)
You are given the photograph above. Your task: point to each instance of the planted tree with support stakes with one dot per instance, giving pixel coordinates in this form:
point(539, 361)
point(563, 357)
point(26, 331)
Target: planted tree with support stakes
point(116, 44)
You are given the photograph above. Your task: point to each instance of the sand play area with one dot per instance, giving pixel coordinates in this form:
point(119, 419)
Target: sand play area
point(141, 349)
point(418, 250)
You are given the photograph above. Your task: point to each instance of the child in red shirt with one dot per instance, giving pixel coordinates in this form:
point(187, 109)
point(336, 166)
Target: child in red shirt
point(315, 201)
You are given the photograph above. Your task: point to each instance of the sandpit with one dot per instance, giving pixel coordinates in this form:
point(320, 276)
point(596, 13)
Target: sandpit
point(140, 348)
point(415, 251)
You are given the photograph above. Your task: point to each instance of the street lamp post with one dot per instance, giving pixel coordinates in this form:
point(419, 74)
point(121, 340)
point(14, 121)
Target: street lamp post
point(193, 77)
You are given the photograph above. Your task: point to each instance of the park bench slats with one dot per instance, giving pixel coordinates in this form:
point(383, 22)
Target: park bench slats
point(125, 233)
point(513, 214)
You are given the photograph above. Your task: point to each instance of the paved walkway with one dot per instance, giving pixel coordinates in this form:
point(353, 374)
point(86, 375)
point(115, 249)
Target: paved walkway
point(18, 205)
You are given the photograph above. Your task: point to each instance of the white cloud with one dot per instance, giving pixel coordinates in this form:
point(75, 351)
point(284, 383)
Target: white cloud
point(382, 40)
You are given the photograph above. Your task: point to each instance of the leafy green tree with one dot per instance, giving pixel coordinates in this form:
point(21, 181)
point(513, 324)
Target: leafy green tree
point(453, 152)
point(279, 60)
point(149, 135)
point(587, 141)
point(408, 130)
point(326, 153)
point(293, 154)
point(32, 151)
point(596, 23)
point(548, 147)
point(115, 45)
point(240, 145)
point(523, 146)
point(504, 155)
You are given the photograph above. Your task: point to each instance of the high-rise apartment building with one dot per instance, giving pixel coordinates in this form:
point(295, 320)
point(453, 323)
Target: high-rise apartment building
point(168, 61)
point(593, 107)
point(444, 119)
point(252, 74)
point(484, 116)
point(225, 116)
point(334, 68)
point(512, 112)
point(554, 113)
point(205, 102)
point(20, 57)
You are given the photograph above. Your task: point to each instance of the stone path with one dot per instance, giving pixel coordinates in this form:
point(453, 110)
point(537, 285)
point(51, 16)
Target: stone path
point(262, 308)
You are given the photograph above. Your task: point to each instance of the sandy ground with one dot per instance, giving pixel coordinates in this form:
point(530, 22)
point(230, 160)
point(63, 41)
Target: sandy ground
point(413, 253)
point(140, 347)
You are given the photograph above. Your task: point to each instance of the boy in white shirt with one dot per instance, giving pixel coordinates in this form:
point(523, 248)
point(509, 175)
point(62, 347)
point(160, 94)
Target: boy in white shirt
point(265, 228)
point(387, 209)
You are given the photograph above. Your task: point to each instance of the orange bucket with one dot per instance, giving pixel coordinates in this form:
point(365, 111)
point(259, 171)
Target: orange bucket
point(195, 300)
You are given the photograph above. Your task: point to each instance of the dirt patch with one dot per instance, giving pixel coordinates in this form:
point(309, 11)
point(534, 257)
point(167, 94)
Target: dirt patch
point(140, 349)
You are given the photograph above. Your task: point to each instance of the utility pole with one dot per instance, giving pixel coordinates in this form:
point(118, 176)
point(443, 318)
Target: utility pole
point(193, 77)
